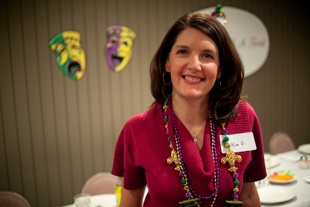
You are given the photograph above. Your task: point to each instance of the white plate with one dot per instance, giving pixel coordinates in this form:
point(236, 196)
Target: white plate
point(305, 148)
point(109, 200)
point(307, 179)
point(102, 200)
point(272, 194)
point(282, 181)
point(273, 162)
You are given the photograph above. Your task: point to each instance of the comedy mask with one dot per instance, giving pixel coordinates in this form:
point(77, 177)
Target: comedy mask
point(69, 54)
point(118, 48)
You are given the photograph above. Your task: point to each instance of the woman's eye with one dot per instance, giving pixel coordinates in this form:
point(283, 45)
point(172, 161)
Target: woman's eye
point(208, 56)
point(182, 52)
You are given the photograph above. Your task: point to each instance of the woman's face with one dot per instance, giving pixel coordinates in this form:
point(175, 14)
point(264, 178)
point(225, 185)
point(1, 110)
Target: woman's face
point(194, 64)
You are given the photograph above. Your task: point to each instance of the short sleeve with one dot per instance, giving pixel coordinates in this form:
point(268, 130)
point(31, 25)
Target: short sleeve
point(125, 156)
point(256, 170)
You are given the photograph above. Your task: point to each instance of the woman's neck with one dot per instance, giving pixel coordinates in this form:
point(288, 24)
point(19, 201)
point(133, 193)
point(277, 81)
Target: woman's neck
point(191, 111)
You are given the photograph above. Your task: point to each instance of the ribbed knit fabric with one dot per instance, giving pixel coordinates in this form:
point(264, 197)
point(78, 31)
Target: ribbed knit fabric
point(142, 150)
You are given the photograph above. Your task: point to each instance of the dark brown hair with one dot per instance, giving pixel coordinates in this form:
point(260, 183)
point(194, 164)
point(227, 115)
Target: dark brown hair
point(226, 91)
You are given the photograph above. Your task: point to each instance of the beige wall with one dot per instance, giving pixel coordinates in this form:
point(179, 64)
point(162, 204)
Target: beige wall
point(55, 132)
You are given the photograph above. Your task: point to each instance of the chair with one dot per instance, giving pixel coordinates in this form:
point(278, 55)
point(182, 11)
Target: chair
point(12, 199)
point(100, 183)
point(280, 142)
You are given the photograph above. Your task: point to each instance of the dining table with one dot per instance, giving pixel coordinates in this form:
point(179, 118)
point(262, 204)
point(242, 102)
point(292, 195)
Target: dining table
point(104, 200)
point(295, 193)
point(286, 193)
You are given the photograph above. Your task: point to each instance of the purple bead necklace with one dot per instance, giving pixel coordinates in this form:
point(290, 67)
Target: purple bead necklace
point(177, 157)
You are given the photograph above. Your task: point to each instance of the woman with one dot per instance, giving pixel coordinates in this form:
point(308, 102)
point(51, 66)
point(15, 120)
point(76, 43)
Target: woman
point(174, 147)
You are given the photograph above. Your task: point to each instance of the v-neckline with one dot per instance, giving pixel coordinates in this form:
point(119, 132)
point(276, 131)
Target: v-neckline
point(192, 156)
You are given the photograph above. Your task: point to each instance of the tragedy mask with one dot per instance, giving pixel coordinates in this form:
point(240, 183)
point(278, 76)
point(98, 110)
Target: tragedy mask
point(69, 54)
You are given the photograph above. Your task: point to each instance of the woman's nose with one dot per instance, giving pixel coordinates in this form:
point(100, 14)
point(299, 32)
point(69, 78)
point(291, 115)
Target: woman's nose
point(194, 63)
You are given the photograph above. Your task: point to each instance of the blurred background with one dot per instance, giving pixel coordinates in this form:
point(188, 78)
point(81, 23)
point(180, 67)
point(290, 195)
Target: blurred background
point(56, 132)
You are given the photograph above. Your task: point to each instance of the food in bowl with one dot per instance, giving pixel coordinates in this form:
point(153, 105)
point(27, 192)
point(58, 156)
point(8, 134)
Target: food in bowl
point(282, 175)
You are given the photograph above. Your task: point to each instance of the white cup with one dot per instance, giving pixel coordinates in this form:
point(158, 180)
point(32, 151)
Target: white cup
point(82, 200)
point(267, 157)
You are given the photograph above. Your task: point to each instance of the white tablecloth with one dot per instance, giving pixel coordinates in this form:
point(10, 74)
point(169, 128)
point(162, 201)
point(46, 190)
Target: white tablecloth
point(300, 186)
point(105, 200)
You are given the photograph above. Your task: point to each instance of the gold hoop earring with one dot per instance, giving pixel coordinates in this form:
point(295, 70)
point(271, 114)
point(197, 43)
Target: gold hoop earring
point(164, 79)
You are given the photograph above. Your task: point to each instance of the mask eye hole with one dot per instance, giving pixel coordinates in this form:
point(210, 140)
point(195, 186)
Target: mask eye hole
point(114, 40)
point(62, 50)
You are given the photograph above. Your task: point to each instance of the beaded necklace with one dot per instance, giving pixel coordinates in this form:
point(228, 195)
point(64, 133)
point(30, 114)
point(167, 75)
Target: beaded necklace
point(231, 158)
point(177, 158)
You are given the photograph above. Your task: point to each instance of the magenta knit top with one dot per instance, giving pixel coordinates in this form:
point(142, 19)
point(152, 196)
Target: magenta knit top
point(142, 150)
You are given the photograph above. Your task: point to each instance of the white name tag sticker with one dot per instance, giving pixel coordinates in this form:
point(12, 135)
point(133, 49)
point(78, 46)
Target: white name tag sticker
point(239, 142)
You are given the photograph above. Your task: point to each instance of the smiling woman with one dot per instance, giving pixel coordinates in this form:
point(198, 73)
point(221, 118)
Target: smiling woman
point(177, 140)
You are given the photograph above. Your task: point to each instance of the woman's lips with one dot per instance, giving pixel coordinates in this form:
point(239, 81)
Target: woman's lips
point(192, 79)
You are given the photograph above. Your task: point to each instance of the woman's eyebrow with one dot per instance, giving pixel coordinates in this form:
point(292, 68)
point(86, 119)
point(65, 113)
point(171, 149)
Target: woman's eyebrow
point(181, 46)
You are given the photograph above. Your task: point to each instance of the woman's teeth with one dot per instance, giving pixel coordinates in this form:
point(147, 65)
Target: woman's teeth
point(192, 79)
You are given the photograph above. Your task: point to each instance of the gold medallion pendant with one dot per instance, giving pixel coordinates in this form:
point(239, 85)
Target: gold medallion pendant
point(196, 202)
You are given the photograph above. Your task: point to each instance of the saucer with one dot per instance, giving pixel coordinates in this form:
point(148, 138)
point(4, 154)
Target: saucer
point(273, 194)
point(307, 179)
point(305, 148)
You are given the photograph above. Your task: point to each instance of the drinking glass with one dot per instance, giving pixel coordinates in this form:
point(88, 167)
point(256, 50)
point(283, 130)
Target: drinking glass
point(82, 200)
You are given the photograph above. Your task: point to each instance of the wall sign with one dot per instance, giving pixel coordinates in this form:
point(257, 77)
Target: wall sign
point(249, 35)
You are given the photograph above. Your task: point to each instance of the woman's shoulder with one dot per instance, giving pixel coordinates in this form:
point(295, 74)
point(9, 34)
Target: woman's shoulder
point(138, 125)
point(148, 115)
point(245, 107)
point(246, 110)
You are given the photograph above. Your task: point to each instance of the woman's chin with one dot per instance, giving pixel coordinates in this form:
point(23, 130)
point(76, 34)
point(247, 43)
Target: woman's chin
point(194, 95)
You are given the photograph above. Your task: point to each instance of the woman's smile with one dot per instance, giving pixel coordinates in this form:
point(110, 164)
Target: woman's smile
point(191, 79)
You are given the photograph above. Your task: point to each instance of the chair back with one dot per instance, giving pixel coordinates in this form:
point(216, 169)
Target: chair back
point(280, 142)
point(100, 183)
point(12, 199)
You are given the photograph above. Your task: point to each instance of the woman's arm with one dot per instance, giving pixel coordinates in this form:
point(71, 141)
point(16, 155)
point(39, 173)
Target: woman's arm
point(249, 195)
point(131, 198)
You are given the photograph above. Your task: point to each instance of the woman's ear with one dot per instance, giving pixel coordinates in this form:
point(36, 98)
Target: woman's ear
point(167, 66)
